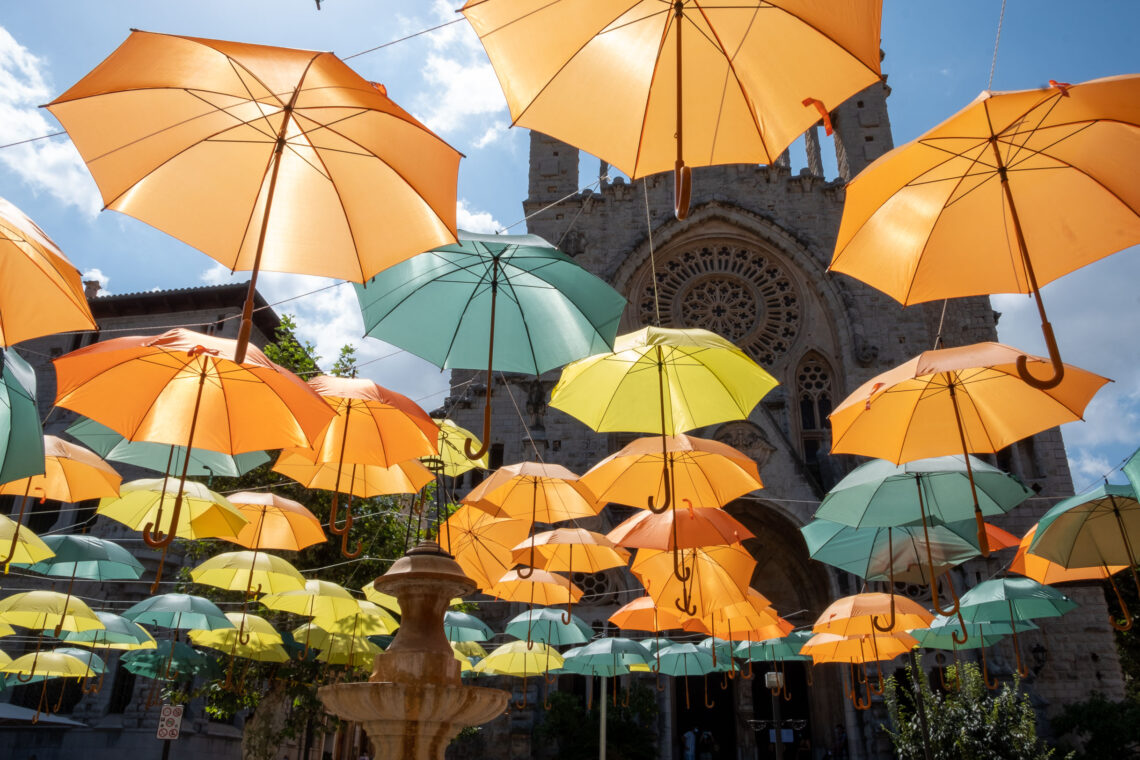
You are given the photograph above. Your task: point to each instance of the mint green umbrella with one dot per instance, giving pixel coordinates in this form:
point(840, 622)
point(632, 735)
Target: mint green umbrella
point(21, 437)
point(171, 661)
point(545, 625)
point(1100, 527)
point(88, 558)
point(117, 633)
point(184, 611)
point(686, 660)
point(160, 457)
point(459, 626)
point(1132, 469)
point(1013, 601)
point(454, 305)
point(773, 650)
point(880, 554)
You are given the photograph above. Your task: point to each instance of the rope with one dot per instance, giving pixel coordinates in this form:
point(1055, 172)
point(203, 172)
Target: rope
point(652, 261)
point(402, 39)
point(33, 139)
point(997, 41)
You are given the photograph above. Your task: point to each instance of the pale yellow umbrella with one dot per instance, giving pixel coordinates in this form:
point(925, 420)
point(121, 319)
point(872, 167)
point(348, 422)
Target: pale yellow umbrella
point(371, 620)
point(452, 459)
point(28, 547)
point(335, 648)
point(252, 572)
point(317, 598)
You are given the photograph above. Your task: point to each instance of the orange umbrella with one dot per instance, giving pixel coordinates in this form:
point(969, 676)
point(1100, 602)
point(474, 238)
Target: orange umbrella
point(854, 615)
point(962, 400)
point(539, 587)
point(41, 293)
point(643, 614)
point(712, 577)
point(741, 621)
point(71, 473)
point(184, 388)
point(1048, 572)
point(706, 473)
point(261, 157)
point(274, 522)
point(853, 650)
point(1005, 196)
point(553, 550)
point(548, 493)
point(1000, 539)
point(682, 528)
point(692, 83)
point(373, 426)
point(481, 544)
point(364, 481)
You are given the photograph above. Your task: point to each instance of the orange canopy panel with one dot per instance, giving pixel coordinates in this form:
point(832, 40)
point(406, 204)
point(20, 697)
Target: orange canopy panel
point(538, 588)
point(275, 522)
point(158, 388)
point(482, 544)
point(683, 528)
point(570, 550)
point(853, 615)
point(539, 492)
point(604, 75)
point(1048, 572)
point(363, 480)
point(71, 473)
point(1000, 539)
point(40, 293)
point(706, 473)
point(643, 614)
point(204, 139)
point(829, 647)
point(720, 576)
point(913, 411)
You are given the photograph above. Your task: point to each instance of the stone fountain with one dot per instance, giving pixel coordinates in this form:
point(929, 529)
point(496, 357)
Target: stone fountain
point(414, 703)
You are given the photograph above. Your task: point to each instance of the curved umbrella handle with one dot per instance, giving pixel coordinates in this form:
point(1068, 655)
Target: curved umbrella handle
point(807, 674)
point(625, 699)
point(1123, 606)
point(334, 512)
point(890, 625)
point(724, 680)
point(476, 454)
point(32, 672)
point(666, 472)
point(991, 685)
point(522, 705)
point(859, 703)
point(344, 547)
point(749, 675)
point(660, 686)
point(1058, 375)
point(156, 538)
point(709, 704)
point(934, 601)
point(876, 689)
point(682, 189)
point(957, 611)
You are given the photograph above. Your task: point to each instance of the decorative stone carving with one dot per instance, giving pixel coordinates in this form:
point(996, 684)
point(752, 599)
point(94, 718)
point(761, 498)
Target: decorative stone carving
point(746, 438)
point(732, 289)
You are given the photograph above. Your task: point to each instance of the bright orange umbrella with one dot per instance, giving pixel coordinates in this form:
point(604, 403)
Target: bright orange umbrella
point(71, 473)
point(962, 400)
point(681, 528)
point(274, 522)
point(706, 473)
point(643, 614)
point(373, 426)
point(1000, 539)
point(709, 577)
point(1047, 572)
point(539, 587)
point(554, 551)
point(481, 544)
point(740, 621)
point(1005, 196)
point(546, 493)
point(694, 83)
point(41, 293)
point(857, 615)
point(859, 650)
point(261, 157)
point(364, 481)
point(184, 388)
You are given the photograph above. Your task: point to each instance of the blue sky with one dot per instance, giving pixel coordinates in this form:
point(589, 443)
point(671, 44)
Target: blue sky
point(938, 58)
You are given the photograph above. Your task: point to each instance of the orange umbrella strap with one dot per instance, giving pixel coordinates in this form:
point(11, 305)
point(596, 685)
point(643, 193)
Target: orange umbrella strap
point(824, 115)
point(1046, 328)
point(468, 449)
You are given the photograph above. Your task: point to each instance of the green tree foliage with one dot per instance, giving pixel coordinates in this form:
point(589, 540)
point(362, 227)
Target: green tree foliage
point(630, 732)
point(966, 723)
point(1105, 729)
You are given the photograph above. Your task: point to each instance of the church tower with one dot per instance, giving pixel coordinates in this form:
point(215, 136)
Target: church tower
point(750, 263)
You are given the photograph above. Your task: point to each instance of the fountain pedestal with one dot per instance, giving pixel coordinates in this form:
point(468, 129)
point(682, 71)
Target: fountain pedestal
point(414, 703)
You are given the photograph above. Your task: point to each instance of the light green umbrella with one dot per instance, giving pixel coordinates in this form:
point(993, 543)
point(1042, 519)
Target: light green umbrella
point(1013, 601)
point(880, 554)
point(21, 438)
point(459, 626)
point(160, 457)
point(773, 650)
point(118, 633)
point(721, 651)
point(171, 661)
point(184, 611)
point(686, 660)
point(88, 558)
point(512, 303)
point(545, 625)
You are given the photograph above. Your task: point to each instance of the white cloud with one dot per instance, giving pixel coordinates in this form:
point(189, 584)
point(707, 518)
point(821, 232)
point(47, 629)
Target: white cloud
point(1088, 469)
point(494, 133)
point(52, 165)
point(475, 221)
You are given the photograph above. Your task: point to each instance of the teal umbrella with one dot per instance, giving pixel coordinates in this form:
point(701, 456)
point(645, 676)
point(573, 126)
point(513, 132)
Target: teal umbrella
point(686, 660)
point(721, 651)
point(87, 558)
point(773, 650)
point(545, 625)
point(940, 635)
point(459, 626)
point(21, 436)
point(160, 457)
point(1132, 469)
point(940, 490)
point(1013, 601)
point(117, 633)
point(880, 554)
point(171, 661)
point(445, 306)
point(184, 611)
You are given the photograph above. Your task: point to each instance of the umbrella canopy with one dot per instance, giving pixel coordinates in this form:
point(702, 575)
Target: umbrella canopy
point(170, 661)
point(643, 614)
point(784, 648)
point(183, 611)
point(71, 474)
point(251, 572)
point(24, 546)
point(86, 656)
point(940, 634)
point(719, 576)
point(41, 610)
point(468, 649)
point(1013, 599)
point(831, 647)
point(111, 445)
point(452, 458)
point(900, 553)
point(609, 656)
point(680, 528)
point(570, 550)
point(318, 598)
point(882, 494)
point(854, 615)
point(371, 620)
point(261, 157)
point(737, 82)
point(684, 660)
point(54, 664)
point(247, 631)
point(538, 587)
point(203, 514)
point(519, 658)
point(117, 633)
point(21, 437)
point(740, 621)
point(360, 480)
point(337, 648)
point(706, 473)
point(481, 544)
point(274, 522)
point(460, 626)
point(536, 491)
point(549, 627)
point(1092, 529)
point(1026, 563)
point(89, 558)
point(41, 292)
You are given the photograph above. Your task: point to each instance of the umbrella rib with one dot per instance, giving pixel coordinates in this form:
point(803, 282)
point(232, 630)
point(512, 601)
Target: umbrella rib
point(482, 281)
point(1014, 148)
point(1094, 180)
point(509, 286)
point(649, 91)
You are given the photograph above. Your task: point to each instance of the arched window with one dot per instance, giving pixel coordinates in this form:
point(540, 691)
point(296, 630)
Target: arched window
point(814, 391)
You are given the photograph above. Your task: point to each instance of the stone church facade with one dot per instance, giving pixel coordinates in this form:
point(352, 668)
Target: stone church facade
point(750, 264)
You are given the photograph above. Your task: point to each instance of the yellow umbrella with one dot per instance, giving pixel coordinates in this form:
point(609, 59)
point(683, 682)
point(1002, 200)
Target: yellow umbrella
point(1005, 196)
point(481, 544)
point(520, 658)
point(694, 82)
point(71, 474)
point(251, 638)
point(468, 648)
point(387, 601)
point(452, 459)
point(252, 572)
point(317, 597)
point(204, 514)
point(335, 648)
point(47, 665)
point(41, 610)
point(41, 292)
point(371, 620)
point(262, 157)
point(963, 400)
point(25, 547)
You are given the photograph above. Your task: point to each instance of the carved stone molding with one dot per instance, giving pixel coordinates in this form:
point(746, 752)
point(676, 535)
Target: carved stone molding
point(746, 438)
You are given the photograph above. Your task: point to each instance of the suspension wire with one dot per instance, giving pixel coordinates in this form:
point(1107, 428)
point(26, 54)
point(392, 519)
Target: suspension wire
point(403, 39)
point(33, 139)
point(652, 260)
point(941, 322)
point(997, 41)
